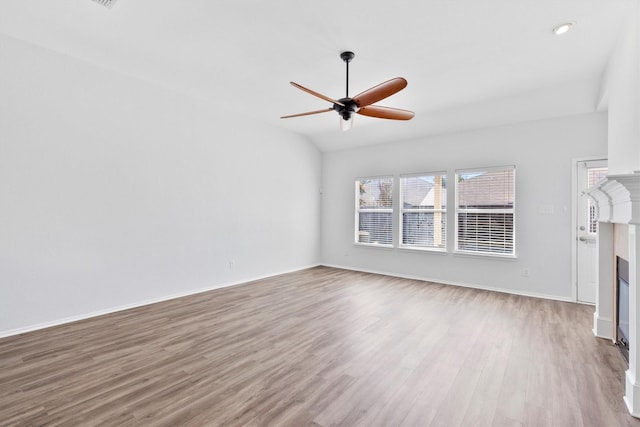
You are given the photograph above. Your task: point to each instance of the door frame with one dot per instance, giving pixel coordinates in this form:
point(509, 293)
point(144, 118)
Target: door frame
point(574, 220)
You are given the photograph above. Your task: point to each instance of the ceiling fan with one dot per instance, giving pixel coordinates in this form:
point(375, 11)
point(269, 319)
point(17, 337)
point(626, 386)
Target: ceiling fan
point(361, 103)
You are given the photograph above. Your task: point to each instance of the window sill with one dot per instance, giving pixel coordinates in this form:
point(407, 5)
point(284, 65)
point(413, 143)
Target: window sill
point(421, 249)
point(372, 245)
point(485, 255)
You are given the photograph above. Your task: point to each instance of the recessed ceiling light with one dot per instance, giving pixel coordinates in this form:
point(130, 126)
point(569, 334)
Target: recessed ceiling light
point(563, 28)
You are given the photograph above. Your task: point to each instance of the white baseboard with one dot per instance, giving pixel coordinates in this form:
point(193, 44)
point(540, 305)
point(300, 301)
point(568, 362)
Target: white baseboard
point(57, 322)
point(110, 310)
point(632, 394)
point(602, 327)
point(464, 285)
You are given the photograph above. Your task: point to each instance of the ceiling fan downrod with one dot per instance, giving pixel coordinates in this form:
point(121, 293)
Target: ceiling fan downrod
point(347, 57)
point(349, 106)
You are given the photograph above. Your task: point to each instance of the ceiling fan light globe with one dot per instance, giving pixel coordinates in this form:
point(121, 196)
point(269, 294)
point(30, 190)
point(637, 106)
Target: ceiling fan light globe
point(345, 124)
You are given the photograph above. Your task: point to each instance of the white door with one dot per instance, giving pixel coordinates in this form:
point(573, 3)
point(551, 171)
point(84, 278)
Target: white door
point(589, 173)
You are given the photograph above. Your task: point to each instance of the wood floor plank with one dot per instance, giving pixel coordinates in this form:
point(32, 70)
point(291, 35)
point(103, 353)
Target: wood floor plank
point(320, 347)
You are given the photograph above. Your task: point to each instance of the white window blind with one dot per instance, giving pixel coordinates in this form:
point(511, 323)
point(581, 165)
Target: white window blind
point(374, 211)
point(485, 211)
point(423, 203)
point(594, 175)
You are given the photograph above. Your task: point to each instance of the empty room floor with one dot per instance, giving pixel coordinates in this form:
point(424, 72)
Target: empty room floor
point(320, 347)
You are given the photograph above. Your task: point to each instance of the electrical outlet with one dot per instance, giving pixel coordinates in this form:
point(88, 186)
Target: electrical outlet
point(525, 272)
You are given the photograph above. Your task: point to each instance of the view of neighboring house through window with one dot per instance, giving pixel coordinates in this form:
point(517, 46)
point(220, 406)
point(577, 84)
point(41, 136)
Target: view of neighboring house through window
point(374, 211)
point(485, 211)
point(423, 200)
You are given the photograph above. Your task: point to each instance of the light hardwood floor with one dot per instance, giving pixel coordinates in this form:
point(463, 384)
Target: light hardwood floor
point(320, 347)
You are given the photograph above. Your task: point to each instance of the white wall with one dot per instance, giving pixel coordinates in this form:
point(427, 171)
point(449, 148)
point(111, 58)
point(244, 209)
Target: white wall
point(542, 152)
point(623, 84)
point(114, 192)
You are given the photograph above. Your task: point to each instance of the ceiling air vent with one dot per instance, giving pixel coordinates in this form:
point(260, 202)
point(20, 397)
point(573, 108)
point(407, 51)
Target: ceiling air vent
point(106, 3)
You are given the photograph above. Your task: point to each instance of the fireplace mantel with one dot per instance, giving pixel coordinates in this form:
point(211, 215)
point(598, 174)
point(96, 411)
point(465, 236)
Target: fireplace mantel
point(617, 201)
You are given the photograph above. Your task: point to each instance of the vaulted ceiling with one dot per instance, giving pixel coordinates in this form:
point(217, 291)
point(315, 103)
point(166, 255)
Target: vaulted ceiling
point(469, 63)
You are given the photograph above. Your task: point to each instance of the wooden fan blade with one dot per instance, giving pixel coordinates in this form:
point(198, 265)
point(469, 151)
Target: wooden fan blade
point(386, 112)
point(380, 92)
point(307, 113)
point(319, 95)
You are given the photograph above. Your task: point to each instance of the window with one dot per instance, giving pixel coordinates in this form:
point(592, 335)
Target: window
point(423, 201)
point(374, 211)
point(594, 175)
point(485, 211)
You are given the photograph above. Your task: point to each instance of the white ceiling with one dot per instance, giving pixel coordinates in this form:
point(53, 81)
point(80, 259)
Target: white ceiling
point(469, 63)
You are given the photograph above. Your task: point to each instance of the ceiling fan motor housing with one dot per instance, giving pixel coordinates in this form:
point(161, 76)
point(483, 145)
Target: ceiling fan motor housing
point(349, 108)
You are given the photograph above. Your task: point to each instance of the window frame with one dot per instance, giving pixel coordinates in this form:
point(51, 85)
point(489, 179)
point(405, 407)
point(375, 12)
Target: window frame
point(402, 210)
point(358, 210)
point(458, 211)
